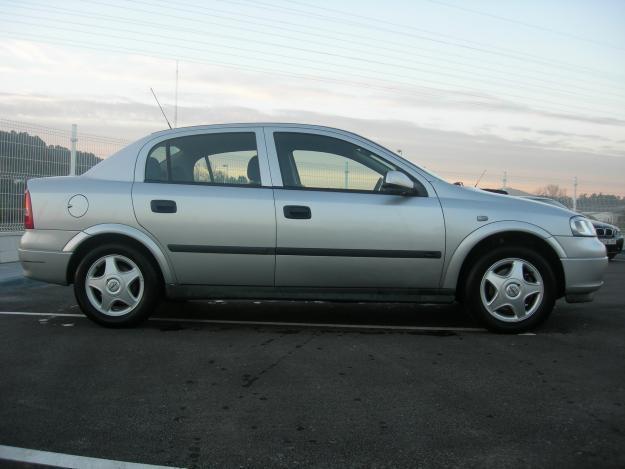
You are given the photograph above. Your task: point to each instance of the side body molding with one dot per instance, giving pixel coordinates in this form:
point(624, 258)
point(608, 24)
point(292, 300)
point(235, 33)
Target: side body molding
point(452, 270)
point(131, 232)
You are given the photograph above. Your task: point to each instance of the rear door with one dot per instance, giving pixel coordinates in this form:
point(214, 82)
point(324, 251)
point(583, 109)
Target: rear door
point(206, 196)
point(336, 225)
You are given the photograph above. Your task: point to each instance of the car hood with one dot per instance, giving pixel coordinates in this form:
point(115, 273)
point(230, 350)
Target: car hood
point(463, 205)
point(519, 203)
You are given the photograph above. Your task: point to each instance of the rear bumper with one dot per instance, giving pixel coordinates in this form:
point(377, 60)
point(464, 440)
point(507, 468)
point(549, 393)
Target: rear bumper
point(47, 266)
point(42, 256)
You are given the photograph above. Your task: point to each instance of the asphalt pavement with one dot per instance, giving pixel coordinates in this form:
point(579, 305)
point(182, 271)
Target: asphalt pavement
point(295, 384)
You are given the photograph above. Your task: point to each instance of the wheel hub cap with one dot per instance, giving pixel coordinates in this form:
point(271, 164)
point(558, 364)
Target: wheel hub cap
point(512, 290)
point(114, 285)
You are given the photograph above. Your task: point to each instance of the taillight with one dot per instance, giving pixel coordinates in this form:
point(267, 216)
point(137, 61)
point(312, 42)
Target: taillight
point(29, 221)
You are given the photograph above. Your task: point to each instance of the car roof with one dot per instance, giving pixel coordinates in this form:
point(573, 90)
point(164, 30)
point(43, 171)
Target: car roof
point(254, 124)
point(127, 155)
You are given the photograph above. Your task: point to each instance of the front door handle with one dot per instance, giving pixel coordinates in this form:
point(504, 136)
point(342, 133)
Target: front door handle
point(163, 206)
point(297, 212)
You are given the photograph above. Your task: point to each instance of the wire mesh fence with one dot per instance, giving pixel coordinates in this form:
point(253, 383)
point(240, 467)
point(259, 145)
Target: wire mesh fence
point(30, 151)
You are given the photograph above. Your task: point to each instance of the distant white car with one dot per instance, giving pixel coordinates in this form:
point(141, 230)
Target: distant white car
point(289, 211)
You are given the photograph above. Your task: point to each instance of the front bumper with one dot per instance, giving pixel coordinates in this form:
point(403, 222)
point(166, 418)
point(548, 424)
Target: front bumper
point(583, 267)
point(47, 266)
point(583, 277)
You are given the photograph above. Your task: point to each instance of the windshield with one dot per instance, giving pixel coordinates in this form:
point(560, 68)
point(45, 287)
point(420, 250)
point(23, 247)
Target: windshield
point(422, 168)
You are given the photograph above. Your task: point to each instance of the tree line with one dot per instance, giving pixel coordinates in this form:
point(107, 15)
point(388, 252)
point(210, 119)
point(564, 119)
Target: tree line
point(22, 154)
point(594, 202)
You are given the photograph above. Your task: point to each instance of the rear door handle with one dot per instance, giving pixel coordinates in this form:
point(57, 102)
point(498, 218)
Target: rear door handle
point(297, 212)
point(163, 206)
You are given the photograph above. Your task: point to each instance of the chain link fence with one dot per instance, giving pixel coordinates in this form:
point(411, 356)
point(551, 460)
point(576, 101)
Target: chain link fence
point(29, 151)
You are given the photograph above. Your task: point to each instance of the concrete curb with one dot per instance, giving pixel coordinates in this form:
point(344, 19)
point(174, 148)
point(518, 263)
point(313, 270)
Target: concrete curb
point(9, 242)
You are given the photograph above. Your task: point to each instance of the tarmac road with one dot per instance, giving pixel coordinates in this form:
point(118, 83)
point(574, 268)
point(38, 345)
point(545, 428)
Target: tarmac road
point(435, 390)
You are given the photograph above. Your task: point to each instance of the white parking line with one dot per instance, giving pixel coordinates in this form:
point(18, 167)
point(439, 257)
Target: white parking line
point(33, 456)
point(275, 323)
point(24, 313)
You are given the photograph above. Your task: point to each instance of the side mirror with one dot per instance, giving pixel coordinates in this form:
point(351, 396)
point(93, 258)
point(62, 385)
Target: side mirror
point(398, 181)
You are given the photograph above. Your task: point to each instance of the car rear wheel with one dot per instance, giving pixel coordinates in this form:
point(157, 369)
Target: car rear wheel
point(116, 285)
point(511, 289)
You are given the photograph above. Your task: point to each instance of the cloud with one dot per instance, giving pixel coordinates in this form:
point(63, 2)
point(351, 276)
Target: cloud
point(449, 99)
point(571, 134)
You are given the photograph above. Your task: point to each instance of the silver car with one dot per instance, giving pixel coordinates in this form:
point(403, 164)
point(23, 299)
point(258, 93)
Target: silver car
point(288, 211)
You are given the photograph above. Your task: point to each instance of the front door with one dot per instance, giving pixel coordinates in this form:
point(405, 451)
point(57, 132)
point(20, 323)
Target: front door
point(207, 199)
point(337, 226)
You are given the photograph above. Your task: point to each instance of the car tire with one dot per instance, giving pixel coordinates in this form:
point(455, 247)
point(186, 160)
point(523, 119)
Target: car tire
point(612, 256)
point(116, 285)
point(511, 289)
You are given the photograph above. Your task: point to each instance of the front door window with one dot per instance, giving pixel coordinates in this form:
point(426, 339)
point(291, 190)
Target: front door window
point(309, 161)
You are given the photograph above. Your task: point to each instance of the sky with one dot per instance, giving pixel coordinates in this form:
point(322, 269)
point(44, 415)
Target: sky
point(534, 89)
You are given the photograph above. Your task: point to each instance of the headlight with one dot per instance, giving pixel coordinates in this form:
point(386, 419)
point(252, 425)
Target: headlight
point(582, 226)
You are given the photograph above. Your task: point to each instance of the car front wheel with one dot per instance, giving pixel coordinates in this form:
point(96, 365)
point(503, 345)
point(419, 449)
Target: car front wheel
point(511, 289)
point(116, 285)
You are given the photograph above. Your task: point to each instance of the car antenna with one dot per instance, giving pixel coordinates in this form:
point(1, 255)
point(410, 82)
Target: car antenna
point(480, 178)
point(161, 108)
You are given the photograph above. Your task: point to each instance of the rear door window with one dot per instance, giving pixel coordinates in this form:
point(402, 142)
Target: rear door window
point(217, 158)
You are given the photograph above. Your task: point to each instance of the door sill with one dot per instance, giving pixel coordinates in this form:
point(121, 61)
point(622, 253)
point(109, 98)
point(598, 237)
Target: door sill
point(243, 292)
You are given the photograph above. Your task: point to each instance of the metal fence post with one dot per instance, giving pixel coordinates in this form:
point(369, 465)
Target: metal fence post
point(72, 160)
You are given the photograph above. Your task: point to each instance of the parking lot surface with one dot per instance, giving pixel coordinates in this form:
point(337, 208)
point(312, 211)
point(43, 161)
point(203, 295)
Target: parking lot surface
point(288, 384)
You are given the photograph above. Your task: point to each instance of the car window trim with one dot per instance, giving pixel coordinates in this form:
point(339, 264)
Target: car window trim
point(352, 191)
point(201, 183)
point(167, 158)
